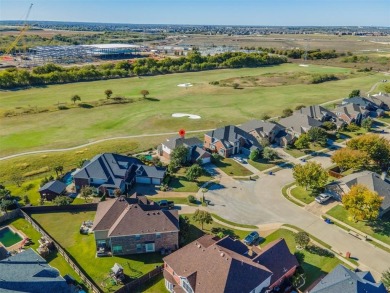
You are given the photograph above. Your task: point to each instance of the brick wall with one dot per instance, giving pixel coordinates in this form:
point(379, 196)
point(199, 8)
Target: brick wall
point(207, 142)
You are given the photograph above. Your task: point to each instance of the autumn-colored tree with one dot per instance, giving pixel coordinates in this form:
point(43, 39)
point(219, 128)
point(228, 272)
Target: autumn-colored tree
point(303, 142)
point(362, 203)
point(310, 175)
point(377, 148)
point(347, 158)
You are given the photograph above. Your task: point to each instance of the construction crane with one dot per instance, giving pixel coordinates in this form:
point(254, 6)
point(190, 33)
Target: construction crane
point(17, 39)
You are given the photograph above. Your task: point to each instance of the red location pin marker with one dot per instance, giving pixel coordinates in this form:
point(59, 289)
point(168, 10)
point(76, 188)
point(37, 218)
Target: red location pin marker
point(182, 133)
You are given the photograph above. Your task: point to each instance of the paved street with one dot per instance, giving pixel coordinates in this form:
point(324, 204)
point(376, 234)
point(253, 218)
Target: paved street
point(261, 202)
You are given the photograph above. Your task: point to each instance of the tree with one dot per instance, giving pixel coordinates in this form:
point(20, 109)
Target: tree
point(367, 123)
point(184, 223)
point(270, 154)
point(179, 156)
point(347, 158)
point(302, 239)
point(17, 179)
point(254, 155)
point(352, 127)
point(310, 175)
point(194, 172)
point(58, 169)
point(287, 112)
point(144, 93)
point(236, 85)
point(202, 217)
point(5, 204)
point(386, 279)
point(377, 148)
point(117, 192)
point(62, 200)
point(265, 117)
point(75, 98)
point(26, 199)
point(4, 193)
point(362, 203)
point(317, 135)
point(303, 142)
point(86, 192)
point(329, 125)
point(264, 143)
point(108, 93)
point(354, 93)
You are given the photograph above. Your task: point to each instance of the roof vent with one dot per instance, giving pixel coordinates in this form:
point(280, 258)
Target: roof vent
point(199, 246)
point(222, 254)
point(148, 214)
point(158, 213)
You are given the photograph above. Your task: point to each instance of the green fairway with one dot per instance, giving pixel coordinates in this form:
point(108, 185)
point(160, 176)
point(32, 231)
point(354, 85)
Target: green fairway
point(215, 104)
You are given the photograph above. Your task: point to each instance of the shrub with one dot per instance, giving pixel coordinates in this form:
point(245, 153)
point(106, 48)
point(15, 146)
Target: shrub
point(191, 199)
point(62, 107)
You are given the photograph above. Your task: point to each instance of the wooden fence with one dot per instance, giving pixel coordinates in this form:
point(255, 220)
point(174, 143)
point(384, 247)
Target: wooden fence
point(10, 215)
point(88, 282)
point(66, 208)
point(127, 288)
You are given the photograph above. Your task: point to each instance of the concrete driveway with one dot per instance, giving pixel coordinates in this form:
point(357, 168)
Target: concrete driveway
point(261, 202)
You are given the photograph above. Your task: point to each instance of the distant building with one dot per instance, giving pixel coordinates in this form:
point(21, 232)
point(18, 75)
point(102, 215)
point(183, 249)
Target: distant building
point(344, 280)
point(262, 129)
point(29, 272)
point(298, 124)
point(351, 113)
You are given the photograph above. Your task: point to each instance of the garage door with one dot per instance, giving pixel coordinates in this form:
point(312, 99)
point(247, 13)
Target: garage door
point(144, 180)
point(206, 160)
point(156, 181)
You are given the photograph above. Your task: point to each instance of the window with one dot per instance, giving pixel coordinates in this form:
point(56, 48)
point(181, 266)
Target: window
point(139, 247)
point(185, 285)
point(169, 286)
point(117, 249)
point(149, 247)
point(137, 237)
point(101, 243)
point(158, 235)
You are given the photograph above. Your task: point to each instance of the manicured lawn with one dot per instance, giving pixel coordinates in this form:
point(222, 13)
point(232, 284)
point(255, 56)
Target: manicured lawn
point(234, 224)
point(302, 194)
point(196, 231)
point(156, 285)
point(215, 104)
point(82, 248)
point(54, 259)
point(232, 168)
point(296, 153)
point(263, 164)
point(379, 229)
point(314, 265)
point(29, 188)
point(181, 183)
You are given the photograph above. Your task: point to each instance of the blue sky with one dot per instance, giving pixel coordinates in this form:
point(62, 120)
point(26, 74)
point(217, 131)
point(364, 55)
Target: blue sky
point(228, 12)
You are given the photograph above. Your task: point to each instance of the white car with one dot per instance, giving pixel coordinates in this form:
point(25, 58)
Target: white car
point(323, 197)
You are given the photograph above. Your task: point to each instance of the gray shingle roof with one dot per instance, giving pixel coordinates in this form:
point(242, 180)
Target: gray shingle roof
point(260, 126)
point(317, 112)
point(54, 186)
point(351, 110)
point(174, 142)
point(344, 280)
point(362, 102)
point(150, 171)
point(29, 272)
point(230, 134)
point(299, 123)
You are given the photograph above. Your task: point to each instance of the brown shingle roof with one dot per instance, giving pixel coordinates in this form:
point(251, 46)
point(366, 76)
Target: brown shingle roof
point(277, 257)
point(128, 216)
point(217, 269)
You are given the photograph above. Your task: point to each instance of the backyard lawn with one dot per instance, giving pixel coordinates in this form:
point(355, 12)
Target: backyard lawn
point(314, 265)
point(232, 168)
point(307, 196)
point(82, 248)
point(379, 229)
point(182, 184)
point(54, 259)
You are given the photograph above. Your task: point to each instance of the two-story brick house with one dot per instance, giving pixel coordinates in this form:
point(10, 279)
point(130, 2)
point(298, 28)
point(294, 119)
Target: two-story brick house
point(210, 264)
point(135, 225)
point(230, 140)
point(351, 113)
point(262, 129)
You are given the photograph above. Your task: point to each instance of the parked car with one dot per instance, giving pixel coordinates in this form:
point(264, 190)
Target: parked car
point(166, 204)
point(251, 238)
point(323, 197)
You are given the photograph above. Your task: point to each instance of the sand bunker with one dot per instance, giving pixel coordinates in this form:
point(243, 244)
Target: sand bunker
point(184, 85)
point(191, 116)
